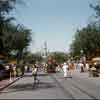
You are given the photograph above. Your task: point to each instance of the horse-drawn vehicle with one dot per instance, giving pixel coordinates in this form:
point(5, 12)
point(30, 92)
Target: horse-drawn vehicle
point(51, 65)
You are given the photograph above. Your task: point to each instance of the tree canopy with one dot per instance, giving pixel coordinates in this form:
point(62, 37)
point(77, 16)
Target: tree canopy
point(87, 39)
point(13, 38)
point(60, 57)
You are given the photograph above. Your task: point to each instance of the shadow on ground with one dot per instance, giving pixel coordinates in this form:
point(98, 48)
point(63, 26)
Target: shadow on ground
point(30, 87)
point(42, 74)
point(37, 75)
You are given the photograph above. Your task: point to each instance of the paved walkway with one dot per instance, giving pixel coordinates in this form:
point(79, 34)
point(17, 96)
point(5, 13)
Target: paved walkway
point(7, 82)
point(54, 86)
point(85, 76)
point(81, 86)
point(25, 89)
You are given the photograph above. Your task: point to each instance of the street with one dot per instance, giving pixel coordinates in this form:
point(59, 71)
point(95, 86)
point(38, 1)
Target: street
point(50, 49)
point(54, 86)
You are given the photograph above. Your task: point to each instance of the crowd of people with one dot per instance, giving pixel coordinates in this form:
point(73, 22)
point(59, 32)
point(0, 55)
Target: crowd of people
point(68, 68)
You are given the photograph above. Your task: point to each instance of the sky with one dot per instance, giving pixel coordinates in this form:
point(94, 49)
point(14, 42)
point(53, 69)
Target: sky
point(53, 21)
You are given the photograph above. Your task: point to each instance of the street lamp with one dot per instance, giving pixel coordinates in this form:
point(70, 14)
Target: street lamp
point(81, 55)
point(81, 51)
point(83, 58)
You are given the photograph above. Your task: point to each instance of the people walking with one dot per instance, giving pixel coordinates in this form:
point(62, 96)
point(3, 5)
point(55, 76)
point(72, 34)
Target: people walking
point(65, 69)
point(34, 73)
point(87, 67)
point(11, 72)
point(58, 68)
point(81, 67)
point(71, 69)
point(14, 71)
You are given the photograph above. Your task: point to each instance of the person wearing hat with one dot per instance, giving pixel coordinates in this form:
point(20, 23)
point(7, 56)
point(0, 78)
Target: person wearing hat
point(65, 69)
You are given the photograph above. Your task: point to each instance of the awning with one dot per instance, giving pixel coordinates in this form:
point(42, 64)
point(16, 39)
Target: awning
point(96, 59)
point(12, 62)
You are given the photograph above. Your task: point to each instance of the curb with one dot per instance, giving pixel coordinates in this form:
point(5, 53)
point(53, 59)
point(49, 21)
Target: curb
point(10, 83)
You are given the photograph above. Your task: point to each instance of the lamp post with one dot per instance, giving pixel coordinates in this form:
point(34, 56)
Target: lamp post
point(83, 59)
point(81, 51)
point(83, 56)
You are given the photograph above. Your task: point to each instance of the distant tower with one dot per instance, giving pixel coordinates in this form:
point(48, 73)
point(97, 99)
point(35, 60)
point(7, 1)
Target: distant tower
point(45, 48)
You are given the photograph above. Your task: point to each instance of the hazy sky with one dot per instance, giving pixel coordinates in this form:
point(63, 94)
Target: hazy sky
point(53, 21)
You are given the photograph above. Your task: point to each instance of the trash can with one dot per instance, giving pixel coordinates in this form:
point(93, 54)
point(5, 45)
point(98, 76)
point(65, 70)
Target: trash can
point(93, 72)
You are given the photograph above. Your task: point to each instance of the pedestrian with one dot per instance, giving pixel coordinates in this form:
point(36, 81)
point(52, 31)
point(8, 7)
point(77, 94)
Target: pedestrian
point(71, 69)
point(58, 68)
point(14, 71)
point(81, 67)
point(87, 67)
point(7, 70)
point(10, 72)
point(65, 69)
point(34, 73)
point(26, 67)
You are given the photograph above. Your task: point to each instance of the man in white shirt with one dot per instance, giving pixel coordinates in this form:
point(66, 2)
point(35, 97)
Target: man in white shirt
point(87, 67)
point(65, 69)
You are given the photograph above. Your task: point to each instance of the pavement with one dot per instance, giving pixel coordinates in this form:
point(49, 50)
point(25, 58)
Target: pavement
point(54, 86)
point(85, 76)
point(81, 86)
point(5, 83)
point(24, 88)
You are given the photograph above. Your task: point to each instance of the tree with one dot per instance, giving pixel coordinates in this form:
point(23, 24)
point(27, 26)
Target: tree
point(32, 57)
point(6, 6)
point(88, 40)
point(12, 37)
point(60, 57)
point(97, 13)
point(20, 40)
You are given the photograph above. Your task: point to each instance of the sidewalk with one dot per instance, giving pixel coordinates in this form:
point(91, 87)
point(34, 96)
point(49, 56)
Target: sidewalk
point(85, 76)
point(81, 75)
point(7, 82)
point(47, 88)
point(81, 86)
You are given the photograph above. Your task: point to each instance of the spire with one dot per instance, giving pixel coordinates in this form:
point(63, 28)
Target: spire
point(45, 48)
